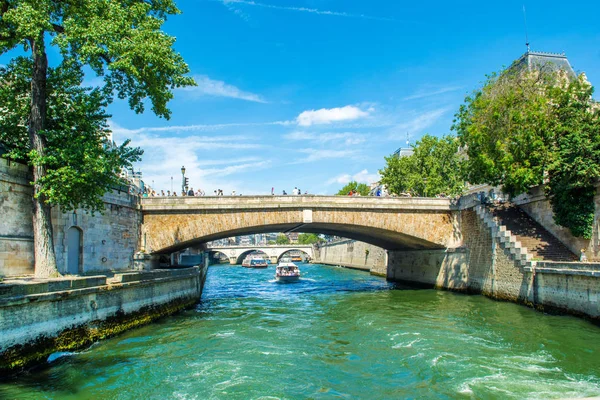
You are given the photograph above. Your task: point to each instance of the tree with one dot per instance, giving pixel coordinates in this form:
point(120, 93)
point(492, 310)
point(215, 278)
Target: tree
point(506, 130)
point(309, 238)
point(282, 239)
point(527, 128)
point(575, 168)
point(435, 168)
point(361, 188)
point(119, 40)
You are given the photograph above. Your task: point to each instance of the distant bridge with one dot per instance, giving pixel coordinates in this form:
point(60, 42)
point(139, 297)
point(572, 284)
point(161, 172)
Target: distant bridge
point(236, 254)
point(172, 224)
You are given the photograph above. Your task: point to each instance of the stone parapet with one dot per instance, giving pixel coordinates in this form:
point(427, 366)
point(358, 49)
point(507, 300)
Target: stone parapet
point(178, 204)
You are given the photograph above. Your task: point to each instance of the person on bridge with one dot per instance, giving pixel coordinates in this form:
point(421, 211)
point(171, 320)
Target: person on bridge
point(190, 192)
point(295, 191)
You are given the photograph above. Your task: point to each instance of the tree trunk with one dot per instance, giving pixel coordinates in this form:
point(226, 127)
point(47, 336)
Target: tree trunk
point(44, 256)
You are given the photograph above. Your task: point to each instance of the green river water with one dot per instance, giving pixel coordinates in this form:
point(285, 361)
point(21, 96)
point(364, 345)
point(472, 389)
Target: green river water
point(336, 334)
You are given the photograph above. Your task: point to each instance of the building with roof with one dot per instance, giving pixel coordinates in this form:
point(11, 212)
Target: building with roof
point(552, 62)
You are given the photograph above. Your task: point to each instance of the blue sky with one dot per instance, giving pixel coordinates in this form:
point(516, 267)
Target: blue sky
point(313, 93)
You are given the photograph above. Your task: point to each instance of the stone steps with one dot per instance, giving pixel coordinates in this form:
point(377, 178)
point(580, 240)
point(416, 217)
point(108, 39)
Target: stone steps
point(539, 242)
point(506, 239)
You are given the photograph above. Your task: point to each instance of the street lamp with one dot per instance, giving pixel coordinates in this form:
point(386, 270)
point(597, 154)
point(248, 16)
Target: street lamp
point(183, 178)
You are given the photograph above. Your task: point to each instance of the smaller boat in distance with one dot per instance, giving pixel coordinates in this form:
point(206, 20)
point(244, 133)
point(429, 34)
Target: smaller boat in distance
point(254, 261)
point(287, 271)
point(296, 259)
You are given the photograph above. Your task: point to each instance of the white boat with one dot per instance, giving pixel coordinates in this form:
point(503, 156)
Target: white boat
point(287, 271)
point(255, 261)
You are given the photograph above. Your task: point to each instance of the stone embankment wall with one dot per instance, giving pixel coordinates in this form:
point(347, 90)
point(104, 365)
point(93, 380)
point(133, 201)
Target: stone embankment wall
point(108, 240)
point(353, 254)
point(486, 265)
point(39, 318)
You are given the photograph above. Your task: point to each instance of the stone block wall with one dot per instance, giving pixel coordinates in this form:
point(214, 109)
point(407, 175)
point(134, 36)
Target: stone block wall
point(353, 254)
point(16, 235)
point(109, 239)
point(446, 269)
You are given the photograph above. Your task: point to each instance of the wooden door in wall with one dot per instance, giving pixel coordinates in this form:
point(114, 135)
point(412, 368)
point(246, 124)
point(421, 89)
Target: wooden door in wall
point(74, 256)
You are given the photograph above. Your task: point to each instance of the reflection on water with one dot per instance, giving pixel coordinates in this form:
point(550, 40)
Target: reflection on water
point(337, 333)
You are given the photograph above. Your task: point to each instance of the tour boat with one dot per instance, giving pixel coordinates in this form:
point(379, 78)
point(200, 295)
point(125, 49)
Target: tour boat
point(296, 259)
point(287, 271)
point(255, 262)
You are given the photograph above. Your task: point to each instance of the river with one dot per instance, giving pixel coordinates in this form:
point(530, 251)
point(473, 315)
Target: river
point(336, 334)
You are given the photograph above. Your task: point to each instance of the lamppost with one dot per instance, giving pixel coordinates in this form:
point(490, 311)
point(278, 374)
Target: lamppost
point(183, 179)
point(171, 184)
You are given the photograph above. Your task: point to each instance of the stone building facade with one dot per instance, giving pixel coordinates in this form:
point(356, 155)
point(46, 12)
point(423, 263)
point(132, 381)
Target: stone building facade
point(84, 243)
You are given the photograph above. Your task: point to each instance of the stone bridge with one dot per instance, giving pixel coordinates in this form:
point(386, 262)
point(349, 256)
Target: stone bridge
point(236, 254)
point(171, 224)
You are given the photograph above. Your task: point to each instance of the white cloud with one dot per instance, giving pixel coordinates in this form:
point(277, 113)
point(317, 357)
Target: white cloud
point(348, 138)
point(323, 154)
point(229, 3)
point(361, 177)
point(212, 87)
point(418, 123)
point(428, 92)
point(329, 115)
point(125, 133)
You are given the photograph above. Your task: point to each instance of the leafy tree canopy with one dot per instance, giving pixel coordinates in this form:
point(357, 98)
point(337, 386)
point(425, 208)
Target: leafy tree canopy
point(435, 168)
point(361, 188)
point(81, 163)
point(121, 41)
point(282, 239)
point(523, 129)
point(309, 238)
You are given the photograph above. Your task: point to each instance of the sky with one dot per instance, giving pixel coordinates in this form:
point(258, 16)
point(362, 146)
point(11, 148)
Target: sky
point(315, 93)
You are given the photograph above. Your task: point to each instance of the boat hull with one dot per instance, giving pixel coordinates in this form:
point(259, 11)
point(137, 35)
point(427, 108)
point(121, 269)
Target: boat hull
point(287, 279)
point(256, 266)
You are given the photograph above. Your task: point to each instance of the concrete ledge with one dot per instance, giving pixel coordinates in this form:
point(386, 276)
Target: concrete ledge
point(33, 326)
point(17, 287)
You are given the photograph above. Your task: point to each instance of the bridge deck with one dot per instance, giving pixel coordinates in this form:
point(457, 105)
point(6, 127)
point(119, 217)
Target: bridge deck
point(177, 204)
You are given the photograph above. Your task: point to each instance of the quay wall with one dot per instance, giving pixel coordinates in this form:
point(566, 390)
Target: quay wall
point(352, 254)
point(483, 266)
point(108, 240)
point(39, 318)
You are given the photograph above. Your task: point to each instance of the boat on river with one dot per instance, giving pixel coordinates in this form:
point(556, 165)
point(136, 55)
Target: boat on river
point(255, 261)
point(287, 271)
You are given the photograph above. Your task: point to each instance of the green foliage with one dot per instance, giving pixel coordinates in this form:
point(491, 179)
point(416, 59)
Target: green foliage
point(282, 239)
point(309, 238)
point(505, 129)
point(361, 188)
point(120, 40)
point(528, 128)
point(435, 168)
point(271, 242)
point(575, 169)
point(80, 161)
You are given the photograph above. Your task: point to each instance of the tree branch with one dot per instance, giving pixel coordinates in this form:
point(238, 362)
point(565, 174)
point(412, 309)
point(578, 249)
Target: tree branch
point(58, 28)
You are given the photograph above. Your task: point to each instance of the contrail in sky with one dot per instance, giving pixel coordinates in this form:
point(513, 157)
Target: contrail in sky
point(303, 9)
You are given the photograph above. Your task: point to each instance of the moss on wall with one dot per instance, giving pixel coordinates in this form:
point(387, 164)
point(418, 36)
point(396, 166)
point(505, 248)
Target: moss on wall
point(20, 357)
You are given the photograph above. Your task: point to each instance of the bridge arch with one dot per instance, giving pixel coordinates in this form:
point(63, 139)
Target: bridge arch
point(241, 256)
point(173, 224)
point(307, 256)
point(213, 254)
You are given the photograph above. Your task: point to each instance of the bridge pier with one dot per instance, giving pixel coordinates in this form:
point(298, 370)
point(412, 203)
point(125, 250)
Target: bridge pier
point(233, 260)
